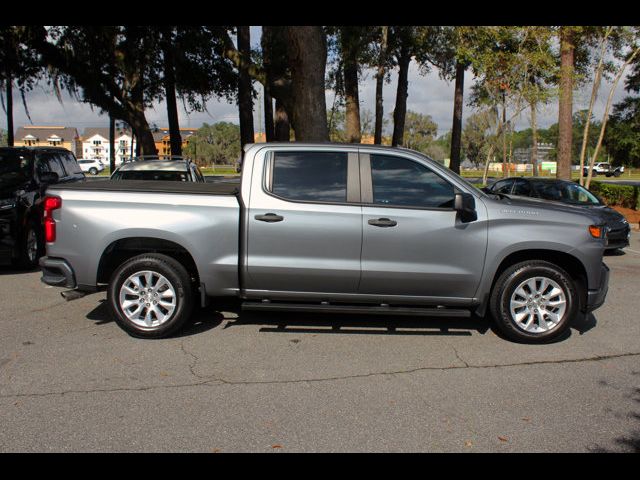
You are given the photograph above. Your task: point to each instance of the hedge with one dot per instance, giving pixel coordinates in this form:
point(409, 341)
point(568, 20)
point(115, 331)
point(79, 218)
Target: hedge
point(622, 195)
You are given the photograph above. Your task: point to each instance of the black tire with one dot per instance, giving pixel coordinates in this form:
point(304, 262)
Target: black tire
point(93, 171)
point(616, 174)
point(175, 274)
point(505, 287)
point(26, 258)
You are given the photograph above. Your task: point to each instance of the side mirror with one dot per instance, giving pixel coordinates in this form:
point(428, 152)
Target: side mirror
point(49, 177)
point(465, 205)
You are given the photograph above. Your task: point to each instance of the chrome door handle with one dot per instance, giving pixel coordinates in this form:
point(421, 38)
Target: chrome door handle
point(383, 222)
point(269, 218)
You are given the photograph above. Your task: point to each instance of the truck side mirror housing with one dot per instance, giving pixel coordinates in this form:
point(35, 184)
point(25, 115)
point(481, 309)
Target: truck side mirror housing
point(465, 205)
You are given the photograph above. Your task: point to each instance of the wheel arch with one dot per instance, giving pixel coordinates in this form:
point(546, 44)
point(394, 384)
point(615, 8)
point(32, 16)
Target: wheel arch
point(121, 250)
point(569, 263)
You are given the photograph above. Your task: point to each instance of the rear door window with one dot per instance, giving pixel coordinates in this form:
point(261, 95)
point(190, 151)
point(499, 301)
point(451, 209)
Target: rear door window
point(48, 162)
point(310, 176)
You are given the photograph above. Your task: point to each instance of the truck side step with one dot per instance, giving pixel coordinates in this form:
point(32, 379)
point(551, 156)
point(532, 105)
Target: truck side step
point(325, 307)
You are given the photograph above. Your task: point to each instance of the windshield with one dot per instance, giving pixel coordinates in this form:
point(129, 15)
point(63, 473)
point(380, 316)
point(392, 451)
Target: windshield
point(565, 192)
point(151, 175)
point(14, 167)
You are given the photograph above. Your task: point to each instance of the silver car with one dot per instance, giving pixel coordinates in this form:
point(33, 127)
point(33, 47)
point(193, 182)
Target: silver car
point(159, 168)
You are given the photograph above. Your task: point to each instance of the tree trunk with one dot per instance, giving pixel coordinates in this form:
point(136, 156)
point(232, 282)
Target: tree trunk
point(266, 43)
point(350, 71)
point(505, 168)
point(175, 138)
point(9, 80)
point(145, 144)
point(379, 86)
point(400, 111)
point(112, 143)
point(282, 129)
point(605, 115)
point(268, 117)
point(456, 129)
point(485, 174)
point(594, 93)
point(534, 140)
point(565, 121)
point(245, 98)
point(307, 50)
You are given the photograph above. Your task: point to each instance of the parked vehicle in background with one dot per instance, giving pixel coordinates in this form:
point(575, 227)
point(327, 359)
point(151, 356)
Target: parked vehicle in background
point(569, 193)
point(604, 168)
point(327, 228)
point(25, 173)
point(617, 171)
point(155, 168)
point(92, 166)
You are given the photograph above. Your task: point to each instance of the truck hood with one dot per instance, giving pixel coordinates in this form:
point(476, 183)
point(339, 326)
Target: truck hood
point(597, 216)
point(601, 214)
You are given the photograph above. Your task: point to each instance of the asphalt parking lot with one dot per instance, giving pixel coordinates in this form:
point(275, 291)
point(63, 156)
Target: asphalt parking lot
point(72, 381)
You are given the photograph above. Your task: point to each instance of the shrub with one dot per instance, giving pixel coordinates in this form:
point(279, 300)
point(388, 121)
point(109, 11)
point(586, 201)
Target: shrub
point(622, 195)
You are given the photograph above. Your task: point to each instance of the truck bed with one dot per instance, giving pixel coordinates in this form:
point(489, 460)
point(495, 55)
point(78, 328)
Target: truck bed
point(202, 218)
point(154, 186)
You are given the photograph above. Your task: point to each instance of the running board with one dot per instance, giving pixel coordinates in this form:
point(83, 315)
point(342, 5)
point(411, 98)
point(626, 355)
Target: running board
point(361, 309)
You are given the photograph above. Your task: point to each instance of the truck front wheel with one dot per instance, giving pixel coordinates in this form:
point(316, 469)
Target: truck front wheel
point(150, 296)
point(534, 302)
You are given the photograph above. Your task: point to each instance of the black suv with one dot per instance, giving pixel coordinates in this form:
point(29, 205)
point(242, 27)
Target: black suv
point(25, 173)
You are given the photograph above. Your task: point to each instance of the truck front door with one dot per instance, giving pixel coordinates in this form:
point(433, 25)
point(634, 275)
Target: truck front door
point(414, 243)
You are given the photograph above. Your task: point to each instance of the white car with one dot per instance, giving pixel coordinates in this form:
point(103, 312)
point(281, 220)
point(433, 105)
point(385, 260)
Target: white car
point(172, 168)
point(92, 166)
point(604, 168)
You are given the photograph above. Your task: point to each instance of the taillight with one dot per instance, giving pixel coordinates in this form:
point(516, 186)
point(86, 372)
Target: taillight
point(50, 204)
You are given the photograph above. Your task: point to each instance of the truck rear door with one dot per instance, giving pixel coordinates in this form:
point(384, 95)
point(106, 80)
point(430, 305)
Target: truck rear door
point(303, 233)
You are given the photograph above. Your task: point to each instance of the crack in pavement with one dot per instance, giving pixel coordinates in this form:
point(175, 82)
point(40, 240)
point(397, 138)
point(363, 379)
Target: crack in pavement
point(192, 365)
point(459, 357)
point(211, 380)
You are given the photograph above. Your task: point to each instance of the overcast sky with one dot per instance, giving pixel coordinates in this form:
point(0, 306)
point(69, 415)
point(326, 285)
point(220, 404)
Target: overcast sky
point(428, 95)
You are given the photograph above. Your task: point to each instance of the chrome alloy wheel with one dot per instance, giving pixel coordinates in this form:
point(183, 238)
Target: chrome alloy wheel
point(147, 299)
point(32, 246)
point(538, 304)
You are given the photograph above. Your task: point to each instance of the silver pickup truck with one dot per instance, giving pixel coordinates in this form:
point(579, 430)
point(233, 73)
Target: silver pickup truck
point(326, 228)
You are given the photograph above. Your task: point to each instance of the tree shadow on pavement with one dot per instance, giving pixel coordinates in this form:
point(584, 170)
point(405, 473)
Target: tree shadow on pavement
point(629, 443)
point(357, 324)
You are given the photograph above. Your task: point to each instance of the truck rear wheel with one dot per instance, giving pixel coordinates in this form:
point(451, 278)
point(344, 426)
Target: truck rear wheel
point(534, 302)
point(150, 296)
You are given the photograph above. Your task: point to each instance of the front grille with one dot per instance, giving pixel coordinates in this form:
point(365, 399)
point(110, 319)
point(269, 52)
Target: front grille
point(619, 233)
